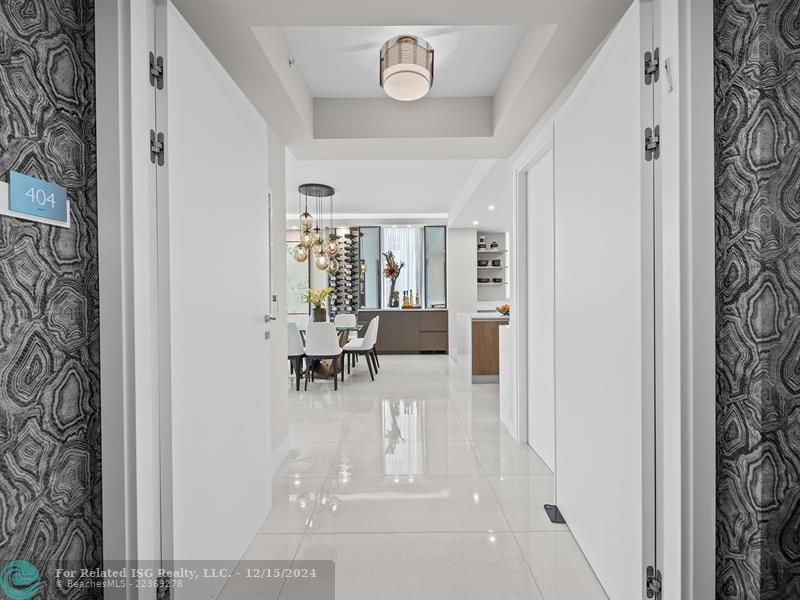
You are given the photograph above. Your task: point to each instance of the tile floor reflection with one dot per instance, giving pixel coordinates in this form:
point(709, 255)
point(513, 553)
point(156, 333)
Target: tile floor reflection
point(413, 487)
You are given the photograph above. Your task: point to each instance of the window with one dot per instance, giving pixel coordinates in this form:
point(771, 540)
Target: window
point(371, 265)
point(406, 242)
point(435, 266)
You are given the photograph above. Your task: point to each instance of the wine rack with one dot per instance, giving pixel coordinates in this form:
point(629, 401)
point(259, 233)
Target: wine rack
point(345, 283)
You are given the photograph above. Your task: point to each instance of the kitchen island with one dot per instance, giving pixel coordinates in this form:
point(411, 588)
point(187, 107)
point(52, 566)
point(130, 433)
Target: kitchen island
point(478, 345)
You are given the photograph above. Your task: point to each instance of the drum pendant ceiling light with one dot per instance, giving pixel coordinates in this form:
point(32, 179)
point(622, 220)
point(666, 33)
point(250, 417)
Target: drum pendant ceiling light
point(406, 68)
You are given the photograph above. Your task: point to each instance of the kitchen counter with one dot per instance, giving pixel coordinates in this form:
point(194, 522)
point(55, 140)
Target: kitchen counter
point(478, 345)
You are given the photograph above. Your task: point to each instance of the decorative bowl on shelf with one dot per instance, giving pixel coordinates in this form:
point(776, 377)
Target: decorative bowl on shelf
point(496, 262)
point(483, 280)
point(483, 263)
point(497, 280)
point(494, 245)
point(503, 309)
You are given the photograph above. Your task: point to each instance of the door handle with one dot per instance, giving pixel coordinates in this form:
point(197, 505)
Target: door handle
point(268, 318)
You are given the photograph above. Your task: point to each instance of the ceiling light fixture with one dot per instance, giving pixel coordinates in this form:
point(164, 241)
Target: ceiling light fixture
point(312, 236)
point(406, 68)
point(474, 222)
point(491, 207)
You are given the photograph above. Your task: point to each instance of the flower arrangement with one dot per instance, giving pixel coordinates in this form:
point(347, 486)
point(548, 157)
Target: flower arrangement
point(392, 271)
point(317, 299)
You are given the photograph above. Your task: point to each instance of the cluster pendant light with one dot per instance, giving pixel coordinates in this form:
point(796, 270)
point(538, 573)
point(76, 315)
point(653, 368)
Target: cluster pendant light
point(315, 239)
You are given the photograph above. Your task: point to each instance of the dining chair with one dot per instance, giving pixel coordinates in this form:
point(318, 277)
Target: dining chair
point(322, 343)
point(296, 352)
point(364, 346)
point(345, 320)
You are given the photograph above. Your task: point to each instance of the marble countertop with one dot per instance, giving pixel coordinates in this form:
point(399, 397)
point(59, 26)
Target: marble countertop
point(485, 316)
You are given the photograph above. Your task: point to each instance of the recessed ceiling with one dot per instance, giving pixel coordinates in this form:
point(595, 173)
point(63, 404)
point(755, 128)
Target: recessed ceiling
point(552, 39)
point(342, 62)
point(382, 187)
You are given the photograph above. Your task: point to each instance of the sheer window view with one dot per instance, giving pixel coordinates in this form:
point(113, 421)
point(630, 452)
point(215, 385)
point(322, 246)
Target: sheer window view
point(406, 244)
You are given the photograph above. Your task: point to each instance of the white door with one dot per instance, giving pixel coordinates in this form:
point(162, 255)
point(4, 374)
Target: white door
point(541, 279)
point(604, 313)
point(213, 253)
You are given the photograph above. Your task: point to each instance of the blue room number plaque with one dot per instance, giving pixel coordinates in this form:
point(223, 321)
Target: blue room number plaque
point(37, 200)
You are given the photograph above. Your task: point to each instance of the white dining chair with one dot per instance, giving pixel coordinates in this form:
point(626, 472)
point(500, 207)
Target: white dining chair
point(296, 352)
point(345, 320)
point(365, 346)
point(322, 343)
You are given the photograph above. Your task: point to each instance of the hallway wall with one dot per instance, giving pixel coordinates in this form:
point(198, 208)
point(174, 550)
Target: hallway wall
point(50, 488)
point(757, 106)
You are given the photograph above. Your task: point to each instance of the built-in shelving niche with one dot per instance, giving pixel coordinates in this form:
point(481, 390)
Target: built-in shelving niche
point(492, 265)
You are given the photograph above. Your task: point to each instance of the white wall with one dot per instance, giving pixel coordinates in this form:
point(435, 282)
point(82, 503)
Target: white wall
point(540, 310)
point(462, 275)
point(279, 396)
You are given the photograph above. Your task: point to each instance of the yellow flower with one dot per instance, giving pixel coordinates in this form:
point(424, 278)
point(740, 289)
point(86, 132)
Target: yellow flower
point(317, 297)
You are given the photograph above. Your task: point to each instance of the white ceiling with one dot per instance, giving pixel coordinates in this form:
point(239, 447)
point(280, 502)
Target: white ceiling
point(552, 40)
point(382, 187)
point(342, 62)
point(444, 156)
point(489, 206)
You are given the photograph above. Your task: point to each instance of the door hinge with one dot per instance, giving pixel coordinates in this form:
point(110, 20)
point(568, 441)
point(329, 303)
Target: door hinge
point(653, 583)
point(652, 143)
point(157, 71)
point(163, 590)
point(157, 148)
point(651, 66)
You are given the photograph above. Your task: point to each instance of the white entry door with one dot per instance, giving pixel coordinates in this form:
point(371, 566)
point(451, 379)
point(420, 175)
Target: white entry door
point(213, 252)
point(604, 326)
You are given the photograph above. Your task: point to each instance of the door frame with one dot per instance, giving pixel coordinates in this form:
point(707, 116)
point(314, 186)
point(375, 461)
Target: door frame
point(128, 288)
point(686, 488)
point(542, 144)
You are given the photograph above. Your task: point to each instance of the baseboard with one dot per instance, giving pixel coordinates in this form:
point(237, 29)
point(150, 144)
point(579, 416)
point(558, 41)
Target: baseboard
point(279, 454)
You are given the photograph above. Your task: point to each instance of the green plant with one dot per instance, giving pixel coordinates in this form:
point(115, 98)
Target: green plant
point(317, 297)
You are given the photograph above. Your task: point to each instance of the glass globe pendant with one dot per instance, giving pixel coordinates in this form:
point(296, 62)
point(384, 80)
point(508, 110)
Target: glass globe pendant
point(333, 266)
point(306, 222)
point(322, 262)
point(332, 248)
point(300, 253)
point(306, 240)
point(316, 241)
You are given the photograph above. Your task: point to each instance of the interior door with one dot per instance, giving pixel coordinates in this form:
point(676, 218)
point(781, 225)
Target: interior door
point(605, 314)
point(214, 256)
point(541, 279)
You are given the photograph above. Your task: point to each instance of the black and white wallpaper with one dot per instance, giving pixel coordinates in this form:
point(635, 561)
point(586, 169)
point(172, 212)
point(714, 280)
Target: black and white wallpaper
point(50, 493)
point(757, 121)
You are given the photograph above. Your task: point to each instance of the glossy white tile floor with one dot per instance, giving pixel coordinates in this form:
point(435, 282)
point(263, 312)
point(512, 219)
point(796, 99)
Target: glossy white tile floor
point(413, 487)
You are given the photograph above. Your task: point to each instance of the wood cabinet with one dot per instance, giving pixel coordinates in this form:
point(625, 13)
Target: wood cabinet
point(486, 347)
point(409, 331)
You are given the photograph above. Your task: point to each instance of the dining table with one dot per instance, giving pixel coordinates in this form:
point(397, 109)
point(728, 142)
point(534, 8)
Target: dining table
point(324, 367)
point(343, 331)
